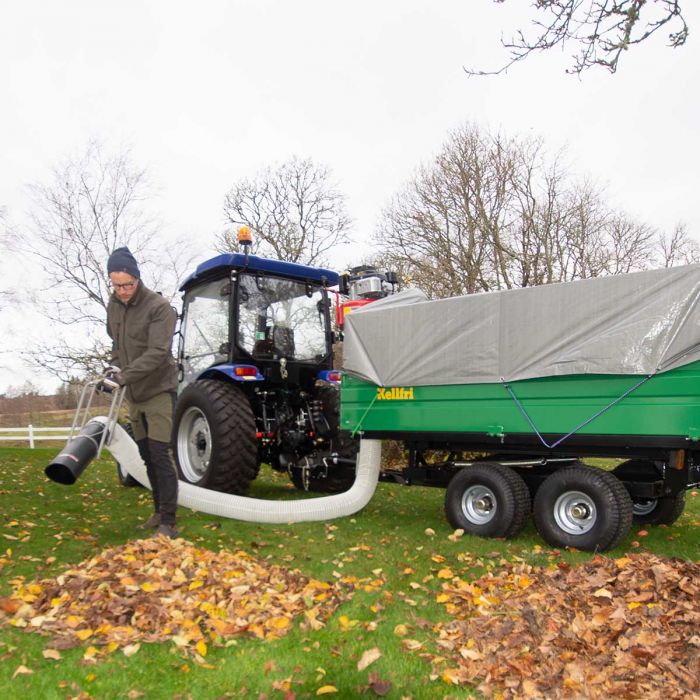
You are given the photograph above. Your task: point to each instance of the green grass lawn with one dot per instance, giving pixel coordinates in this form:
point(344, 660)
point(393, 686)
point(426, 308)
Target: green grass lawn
point(46, 528)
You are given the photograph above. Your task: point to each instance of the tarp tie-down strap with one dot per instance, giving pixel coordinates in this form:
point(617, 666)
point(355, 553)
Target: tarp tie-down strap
point(364, 415)
point(519, 404)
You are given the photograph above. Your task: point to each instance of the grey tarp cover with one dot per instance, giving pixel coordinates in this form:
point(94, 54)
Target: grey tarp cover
point(638, 323)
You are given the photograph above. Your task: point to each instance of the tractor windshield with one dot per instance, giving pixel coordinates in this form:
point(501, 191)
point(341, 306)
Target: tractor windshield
point(205, 328)
point(282, 318)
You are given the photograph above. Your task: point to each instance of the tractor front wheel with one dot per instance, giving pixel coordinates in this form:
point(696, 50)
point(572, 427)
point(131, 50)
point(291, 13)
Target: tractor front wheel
point(214, 431)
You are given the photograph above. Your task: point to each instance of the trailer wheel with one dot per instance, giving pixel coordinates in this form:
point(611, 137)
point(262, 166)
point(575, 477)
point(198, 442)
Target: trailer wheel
point(658, 511)
point(214, 430)
point(488, 500)
point(583, 507)
point(339, 477)
point(125, 479)
point(650, 511)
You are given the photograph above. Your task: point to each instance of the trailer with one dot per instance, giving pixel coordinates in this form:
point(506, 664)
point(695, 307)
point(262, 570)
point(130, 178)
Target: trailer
point(513, 390)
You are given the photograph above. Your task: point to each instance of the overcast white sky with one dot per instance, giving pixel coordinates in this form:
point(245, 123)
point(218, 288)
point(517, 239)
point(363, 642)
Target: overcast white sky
point(210, 92)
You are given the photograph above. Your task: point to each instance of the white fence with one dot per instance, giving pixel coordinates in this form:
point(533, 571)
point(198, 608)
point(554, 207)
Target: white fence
point(32, 434)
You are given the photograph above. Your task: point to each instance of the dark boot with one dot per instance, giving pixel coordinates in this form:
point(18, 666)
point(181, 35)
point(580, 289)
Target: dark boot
point(169, 531)
point(165, 475)
point(152, 522)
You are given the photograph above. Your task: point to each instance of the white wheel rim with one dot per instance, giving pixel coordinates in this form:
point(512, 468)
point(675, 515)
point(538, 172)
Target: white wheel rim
point(479, 504)
point(644, 507)
point(194, 444)
point(575, 513)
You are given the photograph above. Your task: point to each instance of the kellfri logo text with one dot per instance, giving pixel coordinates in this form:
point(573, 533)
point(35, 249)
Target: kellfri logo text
point(395, 393)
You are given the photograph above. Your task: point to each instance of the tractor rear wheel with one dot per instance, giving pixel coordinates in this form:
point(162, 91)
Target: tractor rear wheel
point(214, 435)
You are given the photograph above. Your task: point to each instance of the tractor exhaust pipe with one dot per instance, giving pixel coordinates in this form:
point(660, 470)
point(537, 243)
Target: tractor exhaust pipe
point(79, 451)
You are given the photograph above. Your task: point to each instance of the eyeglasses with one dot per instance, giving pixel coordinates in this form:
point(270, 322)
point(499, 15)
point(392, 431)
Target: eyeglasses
point(126, 285)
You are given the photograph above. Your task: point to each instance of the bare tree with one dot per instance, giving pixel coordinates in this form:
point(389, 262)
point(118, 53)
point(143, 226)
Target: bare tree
point(5, 247)
point(294, 211)
point(677, 248)
point(600, 30)
point(491, 213)
point(91, 205)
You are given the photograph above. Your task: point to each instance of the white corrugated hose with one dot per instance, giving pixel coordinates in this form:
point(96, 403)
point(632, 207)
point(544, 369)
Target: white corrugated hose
point(257, 510)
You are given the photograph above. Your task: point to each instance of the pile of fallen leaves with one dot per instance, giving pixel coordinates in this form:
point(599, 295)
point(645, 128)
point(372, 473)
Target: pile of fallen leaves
point(628, 627)
point(156, 589)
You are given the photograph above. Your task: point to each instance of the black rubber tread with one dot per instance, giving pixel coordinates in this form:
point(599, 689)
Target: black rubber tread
point(125, 479)
point(340, 477)
point(233, 464)
point(612, 501)
point(667, 509)
point(512, 499)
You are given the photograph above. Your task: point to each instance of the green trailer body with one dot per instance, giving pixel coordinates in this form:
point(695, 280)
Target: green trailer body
point(512, 449)
point(617, 414)
point(501, 397)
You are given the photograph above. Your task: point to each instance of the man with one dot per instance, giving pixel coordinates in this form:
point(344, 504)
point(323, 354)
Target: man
point(141, 324)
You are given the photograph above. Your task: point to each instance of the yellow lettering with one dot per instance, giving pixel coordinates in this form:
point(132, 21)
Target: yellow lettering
point(395, 393)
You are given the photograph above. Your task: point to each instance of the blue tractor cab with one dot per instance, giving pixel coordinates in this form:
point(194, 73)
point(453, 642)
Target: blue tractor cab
point(255, 354)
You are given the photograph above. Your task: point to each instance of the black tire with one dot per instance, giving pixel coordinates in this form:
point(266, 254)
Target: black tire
point(583, 507)
point(340, 477)
point(488, 500)
point(125, 479)
point(650, 511)
point(214, 437)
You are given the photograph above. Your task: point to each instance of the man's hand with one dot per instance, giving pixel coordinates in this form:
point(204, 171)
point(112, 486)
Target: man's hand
point(111, 381)
point(114, 375)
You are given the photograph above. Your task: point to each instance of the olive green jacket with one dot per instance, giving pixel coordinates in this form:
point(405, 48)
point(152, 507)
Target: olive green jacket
point(142, 335)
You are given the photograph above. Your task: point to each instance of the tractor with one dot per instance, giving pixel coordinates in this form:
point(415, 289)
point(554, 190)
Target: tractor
point(257, 383)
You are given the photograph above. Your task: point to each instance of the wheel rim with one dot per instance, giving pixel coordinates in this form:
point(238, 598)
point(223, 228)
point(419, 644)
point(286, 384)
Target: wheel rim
point(575, 512)
point(479, 504)
point(644, 506)
point(194, 444)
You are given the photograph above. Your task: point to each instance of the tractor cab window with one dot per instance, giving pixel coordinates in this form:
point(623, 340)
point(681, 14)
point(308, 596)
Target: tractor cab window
point(281, 318)
point(205, 328)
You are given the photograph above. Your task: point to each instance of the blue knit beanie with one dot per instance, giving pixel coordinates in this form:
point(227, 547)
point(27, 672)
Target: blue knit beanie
point(121, 260)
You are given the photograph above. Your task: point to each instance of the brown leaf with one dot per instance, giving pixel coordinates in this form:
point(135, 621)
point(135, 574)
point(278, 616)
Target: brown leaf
point(368, 658)
point(22, 671)
point(10, 605)
point(378, 685)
